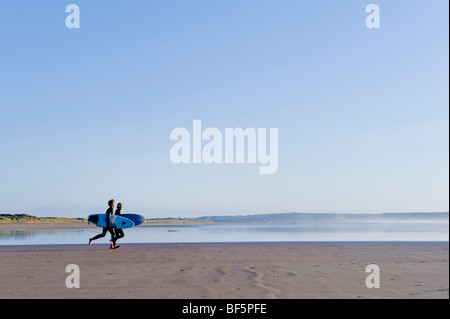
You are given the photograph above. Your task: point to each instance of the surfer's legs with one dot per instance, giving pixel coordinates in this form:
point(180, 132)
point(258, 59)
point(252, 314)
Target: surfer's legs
point(105, 230)
point(103, 234)
point(119, 234)
point(113, 238)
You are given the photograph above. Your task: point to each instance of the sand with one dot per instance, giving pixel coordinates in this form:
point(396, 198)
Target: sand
point(238, 270)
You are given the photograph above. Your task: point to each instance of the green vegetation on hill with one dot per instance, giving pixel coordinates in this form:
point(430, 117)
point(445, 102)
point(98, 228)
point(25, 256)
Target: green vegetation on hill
point(25, 218)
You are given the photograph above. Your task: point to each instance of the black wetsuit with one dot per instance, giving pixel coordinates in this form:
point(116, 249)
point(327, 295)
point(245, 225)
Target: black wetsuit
point(119, 232)
point(109, 212)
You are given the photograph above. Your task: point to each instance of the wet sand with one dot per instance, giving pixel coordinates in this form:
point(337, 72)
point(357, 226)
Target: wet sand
point(237, 270)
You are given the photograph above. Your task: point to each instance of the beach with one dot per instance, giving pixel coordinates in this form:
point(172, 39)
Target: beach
point(222, 270)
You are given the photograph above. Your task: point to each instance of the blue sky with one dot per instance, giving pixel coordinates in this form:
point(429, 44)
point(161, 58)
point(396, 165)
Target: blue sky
point(86, 114)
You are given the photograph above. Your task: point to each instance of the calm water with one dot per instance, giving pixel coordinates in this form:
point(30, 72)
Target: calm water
point(375, 231)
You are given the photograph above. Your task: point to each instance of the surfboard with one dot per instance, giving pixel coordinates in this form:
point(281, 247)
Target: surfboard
point(135, 218)
point(116, 221)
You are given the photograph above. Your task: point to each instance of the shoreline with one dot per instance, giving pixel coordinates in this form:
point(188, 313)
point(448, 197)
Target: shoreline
point(227, 270)
point(355, 242)
point(10, 229)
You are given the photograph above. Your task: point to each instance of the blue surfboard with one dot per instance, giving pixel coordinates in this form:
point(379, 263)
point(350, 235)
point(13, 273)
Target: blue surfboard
point(135, 218)
point(116, 221)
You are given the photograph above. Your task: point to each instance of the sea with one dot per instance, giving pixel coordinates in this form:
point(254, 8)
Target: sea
point(379, 231)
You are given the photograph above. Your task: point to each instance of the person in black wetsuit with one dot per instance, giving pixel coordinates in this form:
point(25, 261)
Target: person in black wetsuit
point(108, 227)
point(119, 232)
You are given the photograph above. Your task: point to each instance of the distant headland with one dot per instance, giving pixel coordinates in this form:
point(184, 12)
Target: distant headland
point(278, 218)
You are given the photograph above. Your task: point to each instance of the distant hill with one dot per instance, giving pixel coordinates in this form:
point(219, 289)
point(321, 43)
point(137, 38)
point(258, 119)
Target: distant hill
point(293, 218)
point(25, 218)
point(280, 218)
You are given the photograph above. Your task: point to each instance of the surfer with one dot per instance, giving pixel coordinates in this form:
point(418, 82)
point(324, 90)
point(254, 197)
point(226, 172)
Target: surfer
point(119, 232)
point(108, 227)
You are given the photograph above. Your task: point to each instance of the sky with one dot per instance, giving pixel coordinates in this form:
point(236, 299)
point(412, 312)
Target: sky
point(86, 113)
